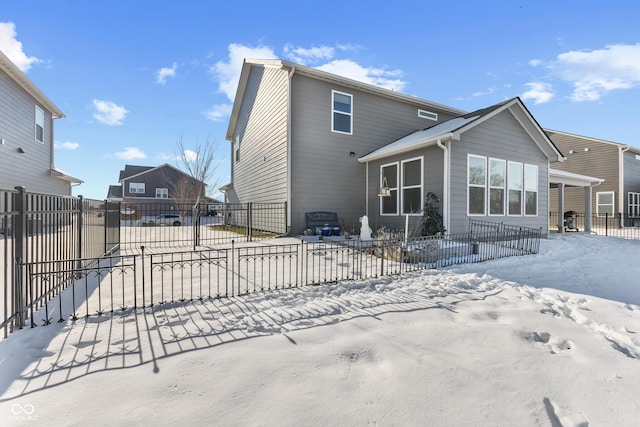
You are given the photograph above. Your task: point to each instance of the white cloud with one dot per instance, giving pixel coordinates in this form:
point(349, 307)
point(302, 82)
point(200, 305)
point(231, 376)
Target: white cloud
point(539, 92)
point(389, 79)
point(163, 73)
point(305, 56)
point(535, 62)
point(228, 73)
point(108, 112)
point(189, 156)
point(67, 145)
point(130, 153)
point(595, 73)
point(218, 112)
point(12, 48)
point(489, 91)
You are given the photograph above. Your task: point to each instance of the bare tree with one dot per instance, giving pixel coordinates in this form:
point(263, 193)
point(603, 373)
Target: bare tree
point(198, 163)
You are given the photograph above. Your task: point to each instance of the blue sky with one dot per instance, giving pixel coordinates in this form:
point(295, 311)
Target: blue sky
point(134, 77)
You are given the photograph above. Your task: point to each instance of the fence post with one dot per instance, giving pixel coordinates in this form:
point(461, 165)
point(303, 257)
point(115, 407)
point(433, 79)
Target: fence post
point(19, 235)
point(80, 230)
point(606, 224)
point(249, 220)
point(105, 226)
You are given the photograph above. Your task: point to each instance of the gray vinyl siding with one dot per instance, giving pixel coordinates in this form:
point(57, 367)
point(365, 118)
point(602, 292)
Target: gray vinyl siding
point(260, 174)
point(602, 160)
point(500, 137)
point(631, 176)
point(325, 177)
point(31, 169)
point(433, 169)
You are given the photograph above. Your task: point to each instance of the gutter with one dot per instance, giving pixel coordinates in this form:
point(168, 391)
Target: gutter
point(445, 182)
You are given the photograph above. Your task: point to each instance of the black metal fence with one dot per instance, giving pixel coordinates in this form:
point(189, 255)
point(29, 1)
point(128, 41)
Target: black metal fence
point(144, 280)
point(171, 225)
point(612, 225)
point(40, 228)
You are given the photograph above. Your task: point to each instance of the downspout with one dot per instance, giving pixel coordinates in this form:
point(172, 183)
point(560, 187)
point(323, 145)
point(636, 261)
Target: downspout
point(289, 162)
point(366, 190)
point(621, 182)
point(445, 183)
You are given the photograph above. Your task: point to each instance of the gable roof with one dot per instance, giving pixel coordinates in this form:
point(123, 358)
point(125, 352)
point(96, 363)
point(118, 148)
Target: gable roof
point(324, 76)
point(133, 171)
point(601, 141)
point(452, 129)
point(28, 86)
point(115, 192)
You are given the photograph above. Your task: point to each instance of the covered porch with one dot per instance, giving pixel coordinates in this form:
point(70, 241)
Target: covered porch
point(561, 179)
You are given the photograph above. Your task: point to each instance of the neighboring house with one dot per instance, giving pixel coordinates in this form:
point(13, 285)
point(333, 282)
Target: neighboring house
point(618, 166)
point(149, 190)
point(321, 142)
point(26, 135)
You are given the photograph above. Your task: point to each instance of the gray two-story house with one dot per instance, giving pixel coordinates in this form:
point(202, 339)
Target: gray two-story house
point(618, 165)
point(146, 191)
point(27, 119)
point(322, 142)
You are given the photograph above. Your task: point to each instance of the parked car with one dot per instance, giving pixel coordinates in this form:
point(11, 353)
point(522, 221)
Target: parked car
point(165, 219)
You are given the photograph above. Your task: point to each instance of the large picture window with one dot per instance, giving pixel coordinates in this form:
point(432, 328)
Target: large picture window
point(477, 184)
point(389, 178)
point(342, 112)
point(515, 188)
point(497, 185)
point(39, 124)
point(530, 189)
point(412, 186)
point(604, 203)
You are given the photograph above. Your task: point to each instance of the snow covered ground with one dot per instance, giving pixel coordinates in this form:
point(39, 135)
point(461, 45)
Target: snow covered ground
point(543, 340)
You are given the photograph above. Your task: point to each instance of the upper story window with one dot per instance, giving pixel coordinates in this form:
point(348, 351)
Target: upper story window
point(427, 115)
point(236, 146)
point(412, 186)
point(39, 124)
point(341, 112)
point(161, 193)
point(136, 188)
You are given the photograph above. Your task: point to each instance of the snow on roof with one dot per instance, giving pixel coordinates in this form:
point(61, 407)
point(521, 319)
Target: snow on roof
point(419, 138)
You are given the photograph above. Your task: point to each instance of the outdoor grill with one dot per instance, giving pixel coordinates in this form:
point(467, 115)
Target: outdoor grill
point(571, 220)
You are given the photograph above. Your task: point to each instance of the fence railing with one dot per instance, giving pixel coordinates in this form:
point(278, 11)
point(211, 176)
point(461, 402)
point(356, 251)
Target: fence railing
point(129, 282)
point(170, 224)
point(40, 228)
point(612, 225)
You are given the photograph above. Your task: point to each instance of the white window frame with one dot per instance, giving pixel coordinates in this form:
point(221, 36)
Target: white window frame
point(162, 193)
point(533, 170)
point(391, 189)
point(633, 205)
point(348, 114)
point(483, 186)
point(495, 187)
point(236, 146)
point(136, 187)
point(404, 187)
point(598, 204)
point(39, 123)
point(510, 188)
point(428, 115)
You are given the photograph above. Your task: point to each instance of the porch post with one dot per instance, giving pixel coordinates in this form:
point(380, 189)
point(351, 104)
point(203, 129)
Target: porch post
point(588, 214)
point(560, 207)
